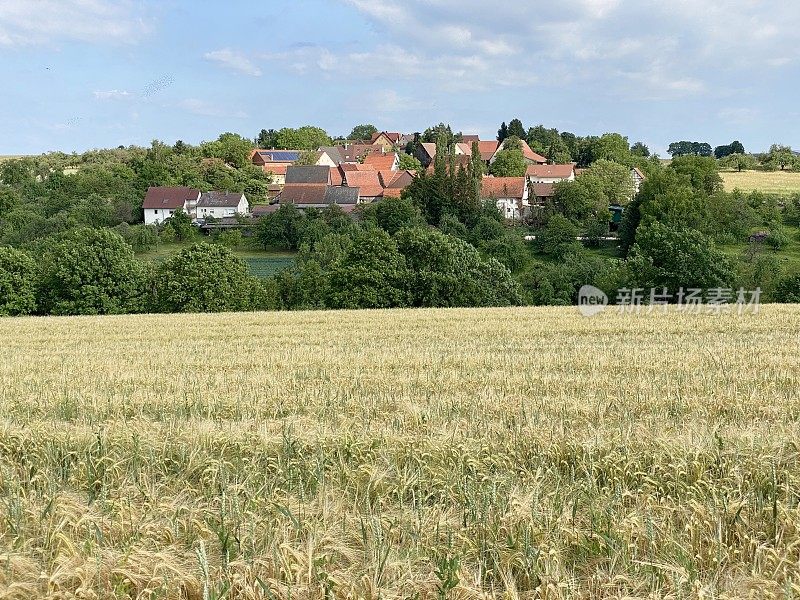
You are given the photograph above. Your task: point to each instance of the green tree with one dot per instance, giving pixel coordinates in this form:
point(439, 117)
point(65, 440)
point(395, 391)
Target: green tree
point(557, 237)
point(685, 148)
point(502, 133)
point(362, 132)
point(516, 129)
point(674, 258)
point(304, 138)
point(90, 272)
point(702, 171)
point(371, 275)
point(509, 162)
point(409, 163)
point(739, 162)
point(446, 271)
point(282, 230)
point(231, 148)
point(613, 180)
point(181, 225)
point(780, 157)
point(640, 149)
point(267, 139)
point(202, 278)
point(611, 146)
point(17, 283)
point(393, 214)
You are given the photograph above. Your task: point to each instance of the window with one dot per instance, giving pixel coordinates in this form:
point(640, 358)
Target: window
point(156, 211)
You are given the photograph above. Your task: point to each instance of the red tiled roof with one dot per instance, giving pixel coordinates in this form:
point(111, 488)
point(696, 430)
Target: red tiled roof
point(462, 160)
point(503, 187)
point(391, 136)
point(303, 193)
point(264, 209)
point(531, 155)
point(470, 138)
point(367, 182)
point(544, 190)
point(169, 197)
point(487, 149)
point(276, 168)
point(381, 161)
point(337, 175)
point(551, 171)
point(356, 151)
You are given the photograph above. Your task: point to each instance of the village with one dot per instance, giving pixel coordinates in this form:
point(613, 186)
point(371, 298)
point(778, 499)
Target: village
point(358, 173)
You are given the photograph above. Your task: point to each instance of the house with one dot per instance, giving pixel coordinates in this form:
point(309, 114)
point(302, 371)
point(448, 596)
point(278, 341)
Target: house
point(261, 157)
point(530, 156)
point(160, 203)
point(388, 140)
point(277, 171)
point(221, 204)
point(638, 177)
point(394, 182)
point(425, 153)
point(468, 139)
point(308, 174)
point(383, 162)
point(353, 153)
point(462, 161)
point(550, 173)
point(509, 193)
point(332, 154)
point(488, 150)
point(368, 183)
point(540, 193)
point(305, 195)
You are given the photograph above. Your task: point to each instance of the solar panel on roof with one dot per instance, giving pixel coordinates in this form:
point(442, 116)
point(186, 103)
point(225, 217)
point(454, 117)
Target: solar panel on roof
point(285, 156)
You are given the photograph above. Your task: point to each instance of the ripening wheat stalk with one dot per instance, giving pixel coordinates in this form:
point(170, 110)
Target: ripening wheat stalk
point(517, 453)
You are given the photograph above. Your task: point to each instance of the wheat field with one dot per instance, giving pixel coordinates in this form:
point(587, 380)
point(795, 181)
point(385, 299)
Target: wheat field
point(502, 453)
point(782, 183)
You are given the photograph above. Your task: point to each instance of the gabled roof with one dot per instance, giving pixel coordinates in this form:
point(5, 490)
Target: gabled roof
point(468, 139)
point(276, 168)
point(488, 149)
point(355, 152)
point(341, 195)
point(393, 137)
point(526, 152)
point(264, 209)
point(503, 187)
point(333, 152)
point(337, 175)
point(551, 171)
point(169, 197)
point(367, 182)
point(638, 172)
point(397, 180)
point(219, 199)
point(429, 148)
point(276, 155)
point(464, 148)
point(381, 161)
point(303, 193)
point(319, 174)
point(544, 190)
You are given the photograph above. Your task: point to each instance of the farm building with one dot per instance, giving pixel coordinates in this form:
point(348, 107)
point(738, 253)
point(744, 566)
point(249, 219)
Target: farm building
point(160, 203)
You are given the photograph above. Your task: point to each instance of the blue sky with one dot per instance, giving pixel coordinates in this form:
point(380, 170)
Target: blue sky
point(99, 73)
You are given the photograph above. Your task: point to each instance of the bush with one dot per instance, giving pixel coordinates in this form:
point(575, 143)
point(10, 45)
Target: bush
point(140, 237)
point(230, 239)
point(777, 238)
point(558, 237)
point(788, 289)
point(203, 278)
point(17, 283)
point(91, 272)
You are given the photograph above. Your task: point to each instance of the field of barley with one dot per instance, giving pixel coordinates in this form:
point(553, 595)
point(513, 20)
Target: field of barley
point(470, 453)
point(783, 183)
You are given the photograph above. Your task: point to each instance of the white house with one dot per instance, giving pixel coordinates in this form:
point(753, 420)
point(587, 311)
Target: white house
point(638, 178)
point(221, 204)
point(161, 203)
point(550, 173)
point(509, 193)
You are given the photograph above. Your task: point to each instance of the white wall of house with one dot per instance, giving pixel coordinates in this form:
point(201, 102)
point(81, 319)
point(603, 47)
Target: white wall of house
point(218, 212)
point(536, 179)
point(153, 216)
point(509, 207)
point(326, 160)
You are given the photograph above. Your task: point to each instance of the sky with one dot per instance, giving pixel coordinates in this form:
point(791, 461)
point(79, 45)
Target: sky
point(84, 74)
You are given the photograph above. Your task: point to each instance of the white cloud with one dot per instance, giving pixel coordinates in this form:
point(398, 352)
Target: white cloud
point(639, 48)
point(206, 109)
point(30, 22)
point(236, 61)
point(112, 95)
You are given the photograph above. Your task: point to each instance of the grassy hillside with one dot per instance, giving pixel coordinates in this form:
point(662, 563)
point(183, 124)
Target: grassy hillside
point(401, 454)
point(783, 183)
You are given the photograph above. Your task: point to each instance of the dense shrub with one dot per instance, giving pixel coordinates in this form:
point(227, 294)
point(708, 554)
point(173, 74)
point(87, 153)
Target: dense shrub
point(17, 283)
point(90, 272)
